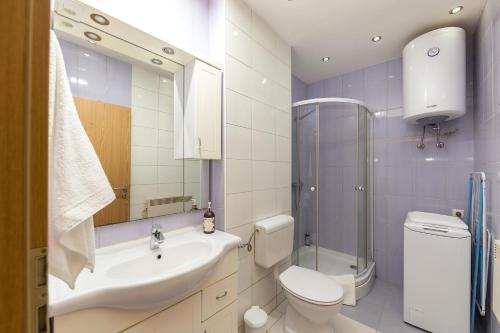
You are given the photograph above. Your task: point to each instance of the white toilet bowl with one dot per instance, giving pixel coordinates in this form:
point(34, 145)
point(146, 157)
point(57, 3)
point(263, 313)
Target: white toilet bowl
point(314, 299)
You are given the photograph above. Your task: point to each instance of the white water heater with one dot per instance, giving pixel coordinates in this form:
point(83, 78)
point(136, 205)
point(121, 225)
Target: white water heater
point(434, 77)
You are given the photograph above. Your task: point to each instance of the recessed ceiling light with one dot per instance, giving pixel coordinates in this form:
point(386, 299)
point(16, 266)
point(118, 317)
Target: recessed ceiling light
point(168, 50)
point(376, 38)
point(92, 36)
point(325, 59)
point(99, 19)
point(456, 10)
point(156, 61)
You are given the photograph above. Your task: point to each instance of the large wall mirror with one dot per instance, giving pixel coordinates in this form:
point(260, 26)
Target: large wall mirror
point(126, 96)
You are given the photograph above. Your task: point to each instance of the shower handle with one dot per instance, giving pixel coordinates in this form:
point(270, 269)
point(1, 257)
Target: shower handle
point(313, 188)
point(359, 188)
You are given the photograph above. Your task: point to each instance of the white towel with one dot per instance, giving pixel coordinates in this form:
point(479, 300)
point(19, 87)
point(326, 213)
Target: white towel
point(78, 186)
point(348, 284)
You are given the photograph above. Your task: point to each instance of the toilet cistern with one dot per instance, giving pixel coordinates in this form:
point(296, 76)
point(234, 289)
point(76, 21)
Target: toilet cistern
point(156, 237)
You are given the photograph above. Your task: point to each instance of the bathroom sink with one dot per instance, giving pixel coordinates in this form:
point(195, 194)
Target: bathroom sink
point(131, 276)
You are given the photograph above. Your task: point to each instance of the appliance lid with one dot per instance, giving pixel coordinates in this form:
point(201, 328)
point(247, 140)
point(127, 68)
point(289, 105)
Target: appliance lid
point(311, 286)
point(436, 220)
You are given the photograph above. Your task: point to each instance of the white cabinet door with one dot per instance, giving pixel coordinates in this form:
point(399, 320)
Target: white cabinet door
point(203, 111)
point(184, 317)
point(224, 321)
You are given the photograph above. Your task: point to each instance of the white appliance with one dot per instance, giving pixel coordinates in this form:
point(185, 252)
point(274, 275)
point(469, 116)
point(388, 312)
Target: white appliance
point(437, 250)
point(434, 76)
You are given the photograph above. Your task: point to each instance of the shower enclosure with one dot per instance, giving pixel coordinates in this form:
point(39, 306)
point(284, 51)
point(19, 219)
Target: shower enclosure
point(332, 188)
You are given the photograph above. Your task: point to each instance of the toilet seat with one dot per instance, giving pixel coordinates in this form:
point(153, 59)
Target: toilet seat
point(311, 286)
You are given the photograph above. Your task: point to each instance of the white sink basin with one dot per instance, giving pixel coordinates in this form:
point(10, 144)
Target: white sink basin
point(131, 276)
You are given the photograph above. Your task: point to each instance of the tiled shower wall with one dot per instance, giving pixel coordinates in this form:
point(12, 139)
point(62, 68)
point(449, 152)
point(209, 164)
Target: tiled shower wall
point(487, 125)
point(257, 155)
point(405, 178)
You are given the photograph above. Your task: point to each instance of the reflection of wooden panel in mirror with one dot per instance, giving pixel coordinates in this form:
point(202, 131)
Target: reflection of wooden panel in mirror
point(108, 127)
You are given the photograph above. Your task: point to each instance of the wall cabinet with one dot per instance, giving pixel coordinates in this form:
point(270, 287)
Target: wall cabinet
point(211, 309)
point(202, 111)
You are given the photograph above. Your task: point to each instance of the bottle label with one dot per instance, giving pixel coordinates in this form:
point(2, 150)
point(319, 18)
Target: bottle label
point(209, 224)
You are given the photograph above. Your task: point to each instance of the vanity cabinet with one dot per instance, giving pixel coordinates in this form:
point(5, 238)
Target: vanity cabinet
point(202, 111)
point(213, 308)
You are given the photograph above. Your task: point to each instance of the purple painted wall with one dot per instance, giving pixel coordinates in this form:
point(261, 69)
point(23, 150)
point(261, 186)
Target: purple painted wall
point(487, 125)
point(405, 178)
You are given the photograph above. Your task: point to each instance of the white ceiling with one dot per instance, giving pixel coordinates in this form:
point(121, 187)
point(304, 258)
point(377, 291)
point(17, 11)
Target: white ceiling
point(342, 29)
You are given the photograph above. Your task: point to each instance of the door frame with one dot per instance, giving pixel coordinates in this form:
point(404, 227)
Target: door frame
point(24, 39)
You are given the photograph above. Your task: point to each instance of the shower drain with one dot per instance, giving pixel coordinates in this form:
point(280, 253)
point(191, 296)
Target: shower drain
point(353, 267)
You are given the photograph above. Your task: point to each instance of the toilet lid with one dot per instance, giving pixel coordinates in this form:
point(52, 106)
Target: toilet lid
point(311, 286)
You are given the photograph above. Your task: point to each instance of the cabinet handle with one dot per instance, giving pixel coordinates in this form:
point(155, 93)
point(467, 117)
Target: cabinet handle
point(221, 295)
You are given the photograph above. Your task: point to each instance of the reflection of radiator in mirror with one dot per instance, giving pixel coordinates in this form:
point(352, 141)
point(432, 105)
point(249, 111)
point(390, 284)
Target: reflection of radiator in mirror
point(165, 206)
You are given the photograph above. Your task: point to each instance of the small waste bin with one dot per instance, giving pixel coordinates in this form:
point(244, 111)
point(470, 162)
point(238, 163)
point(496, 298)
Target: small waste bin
point(255, 320)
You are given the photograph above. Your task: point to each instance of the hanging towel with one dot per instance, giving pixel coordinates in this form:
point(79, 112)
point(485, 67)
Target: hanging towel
point(348, 284)
point(78, 186)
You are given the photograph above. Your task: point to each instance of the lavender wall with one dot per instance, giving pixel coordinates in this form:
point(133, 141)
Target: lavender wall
point(487, 124)
point(405, 178)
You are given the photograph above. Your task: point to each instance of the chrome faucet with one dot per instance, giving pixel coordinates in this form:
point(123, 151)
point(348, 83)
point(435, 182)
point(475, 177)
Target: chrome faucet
point(156, 237)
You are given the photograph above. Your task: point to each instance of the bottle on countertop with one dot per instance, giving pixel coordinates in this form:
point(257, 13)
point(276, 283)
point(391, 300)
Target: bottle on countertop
point(194, 206)
point(209, 220)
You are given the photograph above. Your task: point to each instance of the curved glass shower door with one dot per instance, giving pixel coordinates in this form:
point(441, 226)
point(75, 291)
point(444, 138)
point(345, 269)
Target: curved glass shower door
point(331, 187)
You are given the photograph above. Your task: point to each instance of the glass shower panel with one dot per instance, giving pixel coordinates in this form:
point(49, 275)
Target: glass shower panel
point(337, 179)
point(304, 182)
point(361, 189)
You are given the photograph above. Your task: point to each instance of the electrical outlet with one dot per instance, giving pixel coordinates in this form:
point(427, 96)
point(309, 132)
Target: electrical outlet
point(458, 213)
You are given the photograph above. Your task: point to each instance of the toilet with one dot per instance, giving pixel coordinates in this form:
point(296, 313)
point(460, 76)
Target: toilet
point(314, 299)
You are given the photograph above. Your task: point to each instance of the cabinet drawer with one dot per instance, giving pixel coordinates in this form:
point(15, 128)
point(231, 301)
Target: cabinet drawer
point(219, 295)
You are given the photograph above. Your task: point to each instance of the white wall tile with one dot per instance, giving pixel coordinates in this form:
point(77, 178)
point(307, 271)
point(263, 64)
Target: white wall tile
point(282, 98)
point(283, 175)
point(263, 61)
point(142, 193)
point(169, 190)
point(283, 122)
point(283, 149)
point(238, 109)
point(238, 12)
point(165, 121)
point(244, 301)
point(165, 139)
point(143, 175)
point(238, 76)
point(263, 204)
point(262, 175)
point(145, 79)
point(143, 136)
point(165, 103)
point(238, 44)
point(262, 87)
point(237, 176)
point(245, 273)
point(144, 117)
point(283, 200)
point(238, 209)
point(169, 174)
point(264, 291)
point(263, 146)
point(263, 34)
point(144, 98)
point(166, 157)
point(166, 86)
point(144, 155)
point(239, 142)
point(263, 117)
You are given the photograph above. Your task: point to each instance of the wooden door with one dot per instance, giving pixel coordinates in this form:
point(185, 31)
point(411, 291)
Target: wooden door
point(108, 127)
point(24, 38)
